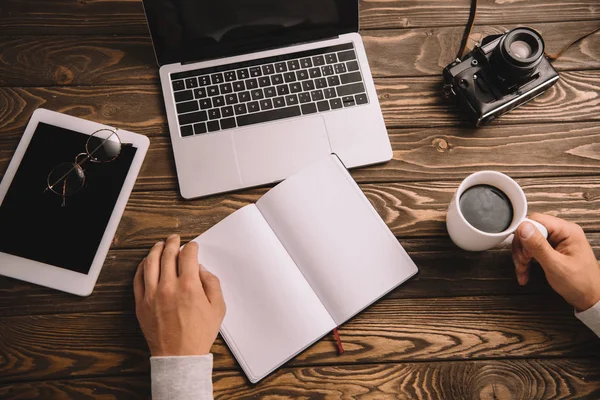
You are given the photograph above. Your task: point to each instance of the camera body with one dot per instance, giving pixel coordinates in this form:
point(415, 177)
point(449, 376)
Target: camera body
point(499, 75)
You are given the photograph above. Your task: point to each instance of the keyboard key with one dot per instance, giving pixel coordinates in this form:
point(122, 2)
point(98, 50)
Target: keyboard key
point(253, 107)
point(257, 94)
point(218, 101)
point(346, 55)
point(204, 80)
point(295, 87)
point(187, 106)
point(348, 101)
point(353, 88)
point(200, 93)
point(266, 116)
point(289, 77)
point(213, 126)
point(306, 63)
point(178, 85)
point(361, 98)
point(216, 78)
point(318, 61)
point(308, 86)
point(205, 104)
point(321, 83)
point(231, 99)
point(213, 90)
point(214, 113)
point(268, 69)
point(329, 93)
point(293, 65)
point(227, 111)
point(281, 67)
point(240, 109)
point(277, 79)
point(187, 130)
point(270, 91)
point(230, 76)
point(323, 105)
point(327, 70)
point(255, 71)
point(339, 68)
point(191, 118)
point(184, 96)
point(251, 84)
point(239, 86)
point(317, 95)
point(314, 73)
point(350, 77)
point(264, 81)
point(228, 123)
point(199, 128)
point(333, 80)
point(191, 83)
point(226, 88)
point(282, 90)
point(279, 102)
point(331, 58)
point(302, 75)
point(352, 66)
point(243, 74)
point(266, 104)
point(304, 97)
point(309, 108)
point(244, 97)
point(336, 103)
point(291, 100)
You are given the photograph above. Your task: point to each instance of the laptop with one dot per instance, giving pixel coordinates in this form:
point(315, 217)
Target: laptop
point(255, 90)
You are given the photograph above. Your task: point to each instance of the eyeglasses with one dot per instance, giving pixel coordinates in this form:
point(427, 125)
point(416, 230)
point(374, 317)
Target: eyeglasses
point(67, 178)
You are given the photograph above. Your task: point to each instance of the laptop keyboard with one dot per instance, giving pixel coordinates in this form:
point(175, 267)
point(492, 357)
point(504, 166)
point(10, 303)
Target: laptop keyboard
point(268, 89)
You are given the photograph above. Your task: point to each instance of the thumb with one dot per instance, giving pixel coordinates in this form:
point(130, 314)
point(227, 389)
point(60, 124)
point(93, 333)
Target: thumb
point(536, 244)
point(212, 288)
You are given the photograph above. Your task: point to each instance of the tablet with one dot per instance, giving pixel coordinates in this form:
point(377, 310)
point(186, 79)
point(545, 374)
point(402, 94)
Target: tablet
point(59, 237)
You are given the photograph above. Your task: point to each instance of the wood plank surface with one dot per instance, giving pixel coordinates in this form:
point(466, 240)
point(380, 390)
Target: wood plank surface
point(30, 17)
point(140, 108)
point(113, 60)
point(490, 379)
point(37, 347)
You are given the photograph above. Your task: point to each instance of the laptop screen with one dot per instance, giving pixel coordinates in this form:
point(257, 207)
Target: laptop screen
point(195, 30)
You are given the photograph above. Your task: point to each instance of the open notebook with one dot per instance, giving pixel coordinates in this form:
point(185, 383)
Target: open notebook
point(309, 255)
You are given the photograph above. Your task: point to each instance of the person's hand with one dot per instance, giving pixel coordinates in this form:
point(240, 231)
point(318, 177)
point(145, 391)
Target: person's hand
point(571, 267)
point(179, 304)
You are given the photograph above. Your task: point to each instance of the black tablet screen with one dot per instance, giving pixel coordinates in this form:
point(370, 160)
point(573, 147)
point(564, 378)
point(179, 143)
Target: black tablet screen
point(33, 222)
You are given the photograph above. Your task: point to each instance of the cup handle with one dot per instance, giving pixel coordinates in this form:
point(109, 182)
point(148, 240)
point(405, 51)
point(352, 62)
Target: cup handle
point(539, 227)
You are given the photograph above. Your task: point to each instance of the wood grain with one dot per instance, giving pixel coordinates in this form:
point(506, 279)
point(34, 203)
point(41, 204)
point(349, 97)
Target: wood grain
point(127, 60)
point(29, 17)
point(506, 379)
point(463, 328)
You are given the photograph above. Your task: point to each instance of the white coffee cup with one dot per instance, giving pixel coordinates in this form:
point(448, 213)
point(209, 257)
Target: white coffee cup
point(465, 235)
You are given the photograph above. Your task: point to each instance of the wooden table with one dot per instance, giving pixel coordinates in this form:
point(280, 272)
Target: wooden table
point(462, 329)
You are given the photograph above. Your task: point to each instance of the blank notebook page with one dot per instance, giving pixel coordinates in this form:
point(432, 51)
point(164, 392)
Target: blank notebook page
point(342, 246)
point(272, 312)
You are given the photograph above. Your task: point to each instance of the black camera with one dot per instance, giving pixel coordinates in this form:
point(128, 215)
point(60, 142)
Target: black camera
point(500, 74)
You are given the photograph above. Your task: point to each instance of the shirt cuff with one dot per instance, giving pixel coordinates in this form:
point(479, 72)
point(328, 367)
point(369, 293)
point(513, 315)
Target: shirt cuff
point(591, 317)
point(182, 378)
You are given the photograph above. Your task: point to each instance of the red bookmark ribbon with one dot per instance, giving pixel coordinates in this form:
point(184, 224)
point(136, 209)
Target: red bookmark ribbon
point(338, 342)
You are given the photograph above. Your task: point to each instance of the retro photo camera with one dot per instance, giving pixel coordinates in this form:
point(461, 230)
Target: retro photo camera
point(500, 74)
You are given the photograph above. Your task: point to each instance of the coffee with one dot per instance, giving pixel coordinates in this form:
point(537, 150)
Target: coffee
point(486, 208)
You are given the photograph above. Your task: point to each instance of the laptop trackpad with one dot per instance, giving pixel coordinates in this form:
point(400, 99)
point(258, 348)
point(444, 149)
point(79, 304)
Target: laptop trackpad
point(273, 152)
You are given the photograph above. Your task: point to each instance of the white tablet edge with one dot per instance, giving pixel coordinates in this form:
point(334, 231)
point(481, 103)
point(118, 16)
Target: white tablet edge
point(49, 275)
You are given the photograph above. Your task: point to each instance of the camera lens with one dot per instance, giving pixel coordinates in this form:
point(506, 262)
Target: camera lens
point(518, 54)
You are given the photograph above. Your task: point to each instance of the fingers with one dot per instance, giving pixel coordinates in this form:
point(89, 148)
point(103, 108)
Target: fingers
point(168, 261)
point(534, 243)
point(188, 261)
point(138, 282)
point(152, 268)
point(558, 229)
point(521, 260)
point(212, 288)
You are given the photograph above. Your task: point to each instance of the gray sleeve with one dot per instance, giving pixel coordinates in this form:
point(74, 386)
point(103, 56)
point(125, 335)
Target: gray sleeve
point(182, 378)
point(591, 317)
